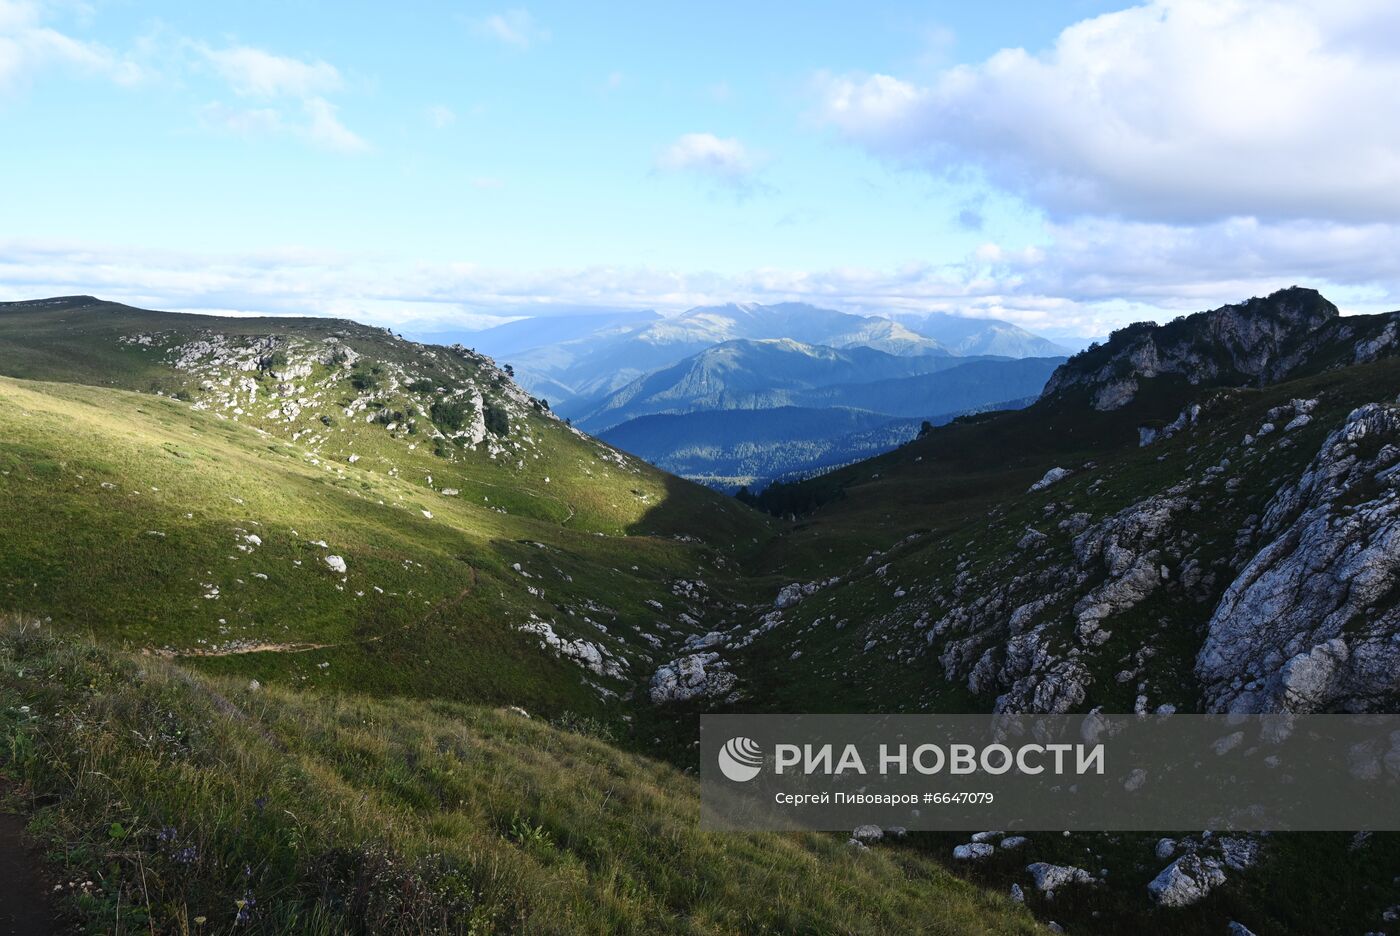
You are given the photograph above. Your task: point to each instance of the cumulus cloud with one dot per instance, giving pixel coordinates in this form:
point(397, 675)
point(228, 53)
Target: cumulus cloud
point(720, 159)
point(324, 128)
point(513, 28)
point(1177, 110)
point(28, 46)
point(258, 73)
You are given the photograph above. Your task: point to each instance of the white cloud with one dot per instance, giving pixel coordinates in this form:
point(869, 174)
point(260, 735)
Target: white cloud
point(1176, 110)
point(488, 182)
point(441, 116)
point(28, 46)
point(257, 73)
point(514, 28)
point(1091, 278)
point(325, 129)
point(724, 160)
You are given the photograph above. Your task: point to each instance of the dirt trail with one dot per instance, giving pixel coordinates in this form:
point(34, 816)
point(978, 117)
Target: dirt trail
point(24, 908)
point(239, 649)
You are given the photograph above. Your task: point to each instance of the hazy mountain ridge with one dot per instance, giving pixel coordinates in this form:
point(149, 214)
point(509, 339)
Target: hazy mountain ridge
point(784, 379)
point(975, 336)
point(585, 368)
point(748, 374)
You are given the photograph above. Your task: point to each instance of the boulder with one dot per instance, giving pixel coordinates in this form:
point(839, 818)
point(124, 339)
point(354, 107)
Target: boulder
point(1186, 881)
point(1053, 476)
point(867, 834)
point(1049, 877)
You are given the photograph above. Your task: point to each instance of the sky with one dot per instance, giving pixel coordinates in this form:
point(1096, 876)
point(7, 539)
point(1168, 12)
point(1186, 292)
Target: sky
point(1066, 166)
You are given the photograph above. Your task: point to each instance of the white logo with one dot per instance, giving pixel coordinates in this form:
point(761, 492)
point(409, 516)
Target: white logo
point(740, 759)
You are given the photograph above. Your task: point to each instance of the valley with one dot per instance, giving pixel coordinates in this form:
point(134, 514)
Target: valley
point(363, 570)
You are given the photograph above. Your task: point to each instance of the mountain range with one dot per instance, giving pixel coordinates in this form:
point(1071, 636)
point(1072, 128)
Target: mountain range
point(304, 618)
point(743, 413)
point(604, 369)
point(574, 370)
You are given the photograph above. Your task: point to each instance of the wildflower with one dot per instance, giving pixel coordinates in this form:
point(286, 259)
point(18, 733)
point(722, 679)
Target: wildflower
point(166, 834)
point(187, 855)
point(245, 907)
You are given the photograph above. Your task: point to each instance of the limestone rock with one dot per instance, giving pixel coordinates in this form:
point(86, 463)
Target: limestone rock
point(1186, 881)
point(1050, 877)
point(1306, 626)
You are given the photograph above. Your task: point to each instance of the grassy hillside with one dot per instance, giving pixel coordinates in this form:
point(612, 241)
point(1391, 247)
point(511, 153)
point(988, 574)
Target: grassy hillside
point(534, 567)
point(176, 802)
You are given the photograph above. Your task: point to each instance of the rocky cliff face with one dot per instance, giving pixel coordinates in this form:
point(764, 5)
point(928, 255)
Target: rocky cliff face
point(1250, 343)
point(1311, 623)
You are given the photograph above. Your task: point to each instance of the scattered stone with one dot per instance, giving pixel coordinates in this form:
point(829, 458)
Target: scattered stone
point(1186, 881)
point(973, 851)
point(1050, 877)
point(336, 564)
point(1053, 476)
point(868, 834)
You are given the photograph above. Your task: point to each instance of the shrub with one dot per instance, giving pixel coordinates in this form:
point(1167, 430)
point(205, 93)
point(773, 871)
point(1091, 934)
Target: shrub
point(496, 420)
point(451, 415)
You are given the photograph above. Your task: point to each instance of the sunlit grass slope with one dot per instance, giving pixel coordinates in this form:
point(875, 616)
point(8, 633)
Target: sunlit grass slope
point(197, 804)
point(207, 509)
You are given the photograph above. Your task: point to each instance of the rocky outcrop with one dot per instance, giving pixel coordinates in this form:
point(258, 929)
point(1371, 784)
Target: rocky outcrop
point(585, 653)
point(697, 675)
point(1310, 624)
point(1254, 342)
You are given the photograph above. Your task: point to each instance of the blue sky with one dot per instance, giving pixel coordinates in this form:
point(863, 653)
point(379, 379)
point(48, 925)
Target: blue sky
point(1067, 166)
